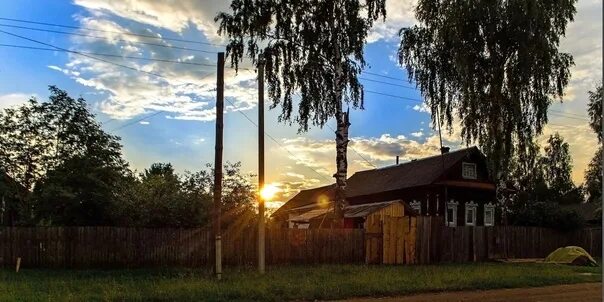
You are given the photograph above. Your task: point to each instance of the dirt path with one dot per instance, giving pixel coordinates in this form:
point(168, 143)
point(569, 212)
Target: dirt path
point(584, 292)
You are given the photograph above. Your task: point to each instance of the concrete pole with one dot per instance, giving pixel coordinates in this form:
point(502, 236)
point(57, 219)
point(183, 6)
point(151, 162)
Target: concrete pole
point(218, 165)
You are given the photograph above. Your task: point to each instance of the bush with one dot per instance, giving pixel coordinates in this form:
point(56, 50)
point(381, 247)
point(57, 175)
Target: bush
point(545, 214)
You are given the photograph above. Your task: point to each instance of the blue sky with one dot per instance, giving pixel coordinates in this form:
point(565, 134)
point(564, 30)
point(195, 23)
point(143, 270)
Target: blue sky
point(180, 105)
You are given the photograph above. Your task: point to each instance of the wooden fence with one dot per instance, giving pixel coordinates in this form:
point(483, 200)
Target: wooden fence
point(403, 240)
point(113, 247)
point(437, 243)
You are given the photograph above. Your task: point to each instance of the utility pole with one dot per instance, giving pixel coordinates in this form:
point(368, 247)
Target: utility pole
point(261, 230)
point(218, 164)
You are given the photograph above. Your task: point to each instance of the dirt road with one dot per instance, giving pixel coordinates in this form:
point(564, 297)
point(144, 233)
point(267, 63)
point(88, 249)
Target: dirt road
point(584, 292)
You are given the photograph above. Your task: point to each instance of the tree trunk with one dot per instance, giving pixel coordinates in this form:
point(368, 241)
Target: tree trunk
point(341, 161)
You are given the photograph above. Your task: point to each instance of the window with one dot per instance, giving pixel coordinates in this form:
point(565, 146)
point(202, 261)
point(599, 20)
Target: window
point(469, 170)
point(471, 213)
point(489, 214)
point(417, 206)
point(451, 213)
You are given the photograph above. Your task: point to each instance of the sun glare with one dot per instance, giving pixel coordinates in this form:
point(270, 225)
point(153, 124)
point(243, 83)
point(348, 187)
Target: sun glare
point(268, 192)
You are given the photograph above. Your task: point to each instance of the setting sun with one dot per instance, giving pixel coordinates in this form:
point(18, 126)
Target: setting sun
point(268, 192)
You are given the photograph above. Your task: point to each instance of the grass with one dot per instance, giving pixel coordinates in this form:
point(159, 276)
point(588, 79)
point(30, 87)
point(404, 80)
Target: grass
point(280, 283)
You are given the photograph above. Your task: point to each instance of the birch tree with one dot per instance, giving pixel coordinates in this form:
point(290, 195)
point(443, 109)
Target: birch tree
point(493, 65)
point(311, 47)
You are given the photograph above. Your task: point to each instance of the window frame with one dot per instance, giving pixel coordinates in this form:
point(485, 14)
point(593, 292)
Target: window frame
point(453, 206)
point(473, 207)
point(463, 170)
point(489, 207)
point(417, 206)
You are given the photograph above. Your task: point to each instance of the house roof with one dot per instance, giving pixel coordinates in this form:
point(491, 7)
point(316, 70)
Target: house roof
point(306, 197)
point(414, 173)
point(362, 210)
point(353, 211)
point(314, 213)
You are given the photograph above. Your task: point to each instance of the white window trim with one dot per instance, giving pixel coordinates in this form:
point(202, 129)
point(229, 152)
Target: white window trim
point(471, 206)
point(416, 205)
point(451, 205)
point(489, 207)
point(463, 170)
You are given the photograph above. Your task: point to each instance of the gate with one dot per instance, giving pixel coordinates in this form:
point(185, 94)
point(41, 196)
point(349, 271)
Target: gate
point(391, 240)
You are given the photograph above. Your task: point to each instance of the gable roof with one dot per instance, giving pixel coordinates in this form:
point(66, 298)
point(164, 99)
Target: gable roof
point(306, 197)
point(414, 173)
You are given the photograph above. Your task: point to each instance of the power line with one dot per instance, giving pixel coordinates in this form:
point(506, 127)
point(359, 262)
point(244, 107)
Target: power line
point(569, 113)
point(276, 141)
point(108, 31)
point(88, 56)
point(383, 76)
point(555, 112)
point(392, 84)
point(108, 38)
point(107, 55)
point(137, 120)
point(569, 117)
point(394, 96)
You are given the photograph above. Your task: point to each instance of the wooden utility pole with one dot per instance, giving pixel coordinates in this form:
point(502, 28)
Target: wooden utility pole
point(261, 230)
point(218, 164)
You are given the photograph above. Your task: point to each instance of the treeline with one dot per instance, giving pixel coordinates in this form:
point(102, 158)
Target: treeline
point(60, 168)
point(542, 179)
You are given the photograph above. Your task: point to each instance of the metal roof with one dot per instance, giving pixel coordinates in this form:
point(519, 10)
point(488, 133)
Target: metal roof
point(306, 216)
point(361, 210)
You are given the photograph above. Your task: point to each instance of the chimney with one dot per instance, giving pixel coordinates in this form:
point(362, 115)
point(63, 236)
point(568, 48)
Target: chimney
point(397, 159)
point(444, 150)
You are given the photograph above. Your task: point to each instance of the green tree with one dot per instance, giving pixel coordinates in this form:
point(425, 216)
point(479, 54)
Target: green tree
point(159, 197)
point(528, 177)
point(594, 108)
point(493, 64)
point(314, 47)
point(80, 191)
point(557, 166)
point(593, 174)
point(593, 178)
point(39, 137)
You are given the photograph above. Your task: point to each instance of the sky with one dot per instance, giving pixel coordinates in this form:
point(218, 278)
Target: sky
point(165, 112)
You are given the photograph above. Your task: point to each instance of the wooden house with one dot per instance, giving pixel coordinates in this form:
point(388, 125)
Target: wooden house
point(456, 185)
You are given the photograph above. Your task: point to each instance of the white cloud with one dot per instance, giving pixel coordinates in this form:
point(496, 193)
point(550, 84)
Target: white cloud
point(184, 92)
point(422, 108)
point(198, 141)
point(417, 134)
point(14, 99)
point(400, 13)
point(144, 123)
point(176, 16)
